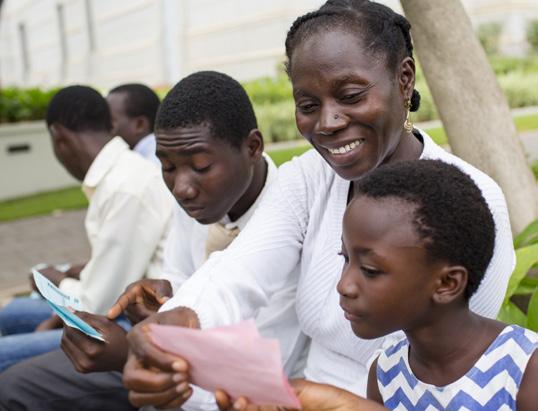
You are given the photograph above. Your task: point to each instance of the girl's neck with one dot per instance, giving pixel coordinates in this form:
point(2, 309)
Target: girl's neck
point(447, 348)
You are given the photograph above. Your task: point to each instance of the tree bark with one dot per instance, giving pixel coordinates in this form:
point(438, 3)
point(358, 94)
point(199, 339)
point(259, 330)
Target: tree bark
point(472, 107)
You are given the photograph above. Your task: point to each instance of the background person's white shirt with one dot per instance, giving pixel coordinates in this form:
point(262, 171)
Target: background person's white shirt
point(127, 222)
point(185, 253)
point(146, 148)
point(298, 228)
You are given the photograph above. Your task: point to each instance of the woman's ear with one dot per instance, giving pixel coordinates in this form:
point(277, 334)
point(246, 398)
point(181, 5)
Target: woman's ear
point(406, 77)
point(254, 144)
point(451, 284)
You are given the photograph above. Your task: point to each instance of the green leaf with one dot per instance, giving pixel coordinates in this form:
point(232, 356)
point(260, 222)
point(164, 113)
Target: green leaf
point(532, 315)
point(526, 257)
point(511, 314)
point(528, 236)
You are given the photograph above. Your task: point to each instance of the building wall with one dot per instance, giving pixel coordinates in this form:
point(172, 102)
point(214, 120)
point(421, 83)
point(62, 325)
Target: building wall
point(103, 42)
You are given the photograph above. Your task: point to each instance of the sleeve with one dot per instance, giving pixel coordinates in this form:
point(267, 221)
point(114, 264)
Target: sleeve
point(127, 238)
point(178, 264)
point(488, 298)
point(235, 283)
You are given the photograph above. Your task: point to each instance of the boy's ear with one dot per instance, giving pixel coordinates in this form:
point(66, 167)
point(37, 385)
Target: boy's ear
point(451, 284)
point(254, 144)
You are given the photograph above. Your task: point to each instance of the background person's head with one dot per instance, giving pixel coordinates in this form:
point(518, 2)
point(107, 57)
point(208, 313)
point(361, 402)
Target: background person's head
point(78, 120)
point(209, 146)
point(133, 108)
point(417, 240)
point(352, 70)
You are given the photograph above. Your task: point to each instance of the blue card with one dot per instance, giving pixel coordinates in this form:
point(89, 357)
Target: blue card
point(59, 301)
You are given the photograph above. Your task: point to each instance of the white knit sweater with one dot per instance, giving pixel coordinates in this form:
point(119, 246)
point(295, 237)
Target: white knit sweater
point(299, 223)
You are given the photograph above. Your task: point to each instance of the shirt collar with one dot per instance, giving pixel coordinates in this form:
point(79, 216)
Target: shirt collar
point(142, 145)
point(101, 165)
point(242, 221)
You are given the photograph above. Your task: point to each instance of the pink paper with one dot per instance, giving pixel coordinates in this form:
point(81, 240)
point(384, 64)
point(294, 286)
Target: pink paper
point(233, 358)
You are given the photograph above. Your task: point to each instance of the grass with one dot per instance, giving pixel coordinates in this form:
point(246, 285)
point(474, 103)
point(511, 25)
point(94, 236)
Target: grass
point(523, 123)
point(73, 198)
point(43, 203)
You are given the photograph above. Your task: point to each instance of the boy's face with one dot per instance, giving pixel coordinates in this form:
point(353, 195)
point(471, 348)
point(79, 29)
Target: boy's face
point(387, 282)
point(206, 175)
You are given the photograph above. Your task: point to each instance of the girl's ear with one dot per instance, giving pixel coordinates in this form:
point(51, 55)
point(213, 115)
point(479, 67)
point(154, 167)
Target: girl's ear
point(451, 284)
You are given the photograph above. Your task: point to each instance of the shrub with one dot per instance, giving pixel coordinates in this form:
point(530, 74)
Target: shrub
point(277, 121)
point(532, 35)
point(18, 104)
point(488, 34)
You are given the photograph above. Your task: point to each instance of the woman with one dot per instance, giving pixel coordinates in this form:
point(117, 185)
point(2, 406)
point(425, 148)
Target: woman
point(353, 76)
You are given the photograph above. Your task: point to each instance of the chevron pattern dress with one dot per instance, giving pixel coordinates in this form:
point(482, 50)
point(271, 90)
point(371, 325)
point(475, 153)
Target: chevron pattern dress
point(492, 383)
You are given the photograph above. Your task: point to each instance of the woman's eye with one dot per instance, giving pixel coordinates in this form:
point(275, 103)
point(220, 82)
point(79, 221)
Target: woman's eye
point(351, 98)
point(307, 107)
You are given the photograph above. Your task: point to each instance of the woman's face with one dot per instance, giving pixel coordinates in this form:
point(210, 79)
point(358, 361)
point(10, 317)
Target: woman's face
point(349, 105)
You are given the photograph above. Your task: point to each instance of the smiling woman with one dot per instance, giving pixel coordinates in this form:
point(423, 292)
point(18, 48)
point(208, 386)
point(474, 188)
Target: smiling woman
point(353, 74)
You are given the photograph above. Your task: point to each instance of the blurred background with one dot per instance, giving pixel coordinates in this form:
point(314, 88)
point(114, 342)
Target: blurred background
point(46, 44)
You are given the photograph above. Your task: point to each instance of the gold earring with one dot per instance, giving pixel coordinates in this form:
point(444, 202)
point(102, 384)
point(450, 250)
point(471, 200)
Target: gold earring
point(408, 125)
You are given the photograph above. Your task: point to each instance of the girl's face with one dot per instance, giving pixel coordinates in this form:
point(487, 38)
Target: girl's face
point(349, 105)
point(387, 281)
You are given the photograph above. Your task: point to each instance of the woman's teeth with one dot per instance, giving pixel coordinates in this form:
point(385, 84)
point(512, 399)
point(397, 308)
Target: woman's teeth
point(344, 149)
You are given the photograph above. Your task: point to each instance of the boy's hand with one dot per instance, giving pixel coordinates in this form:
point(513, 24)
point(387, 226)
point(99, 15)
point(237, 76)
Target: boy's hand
point(141, 299)
point(152, 376)
point(52, 274)
point(90, 355)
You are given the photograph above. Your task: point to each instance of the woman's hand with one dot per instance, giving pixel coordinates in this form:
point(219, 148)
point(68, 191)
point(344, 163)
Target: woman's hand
point(313, 397)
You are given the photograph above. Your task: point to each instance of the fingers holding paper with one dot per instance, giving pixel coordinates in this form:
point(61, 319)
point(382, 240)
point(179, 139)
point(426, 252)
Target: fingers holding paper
point(90, 355)
point(141, 299)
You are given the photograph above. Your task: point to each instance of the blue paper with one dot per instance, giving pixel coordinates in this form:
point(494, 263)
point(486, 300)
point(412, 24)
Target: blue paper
point(60, 301)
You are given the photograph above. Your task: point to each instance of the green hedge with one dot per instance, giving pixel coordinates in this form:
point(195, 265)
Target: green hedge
point(18, 104)
point(272, 97)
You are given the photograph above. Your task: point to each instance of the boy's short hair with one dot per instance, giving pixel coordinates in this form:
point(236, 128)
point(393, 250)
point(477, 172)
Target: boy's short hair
point(79, 108)
point(451, 215)
point(140, 101)
point(212, 98)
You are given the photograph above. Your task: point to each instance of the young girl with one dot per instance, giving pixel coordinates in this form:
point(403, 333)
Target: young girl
point(416, 241)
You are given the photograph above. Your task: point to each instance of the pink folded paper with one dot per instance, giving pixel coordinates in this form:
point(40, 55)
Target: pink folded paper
point(235, 359)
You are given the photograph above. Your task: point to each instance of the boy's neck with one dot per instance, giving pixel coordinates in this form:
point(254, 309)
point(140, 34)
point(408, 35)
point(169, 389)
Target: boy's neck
point(445, 350)
point(246, 201)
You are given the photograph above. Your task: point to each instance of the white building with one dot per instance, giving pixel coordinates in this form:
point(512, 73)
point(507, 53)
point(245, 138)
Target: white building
point(104, 42)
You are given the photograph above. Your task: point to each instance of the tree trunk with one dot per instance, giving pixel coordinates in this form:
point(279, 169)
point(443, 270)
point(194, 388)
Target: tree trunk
point(472, 107)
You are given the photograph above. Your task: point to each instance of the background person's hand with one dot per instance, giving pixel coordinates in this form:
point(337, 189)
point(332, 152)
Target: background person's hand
point(51, 273)
point(152, 376)
point(90, 355)
point(51, 323)
point(141, 299)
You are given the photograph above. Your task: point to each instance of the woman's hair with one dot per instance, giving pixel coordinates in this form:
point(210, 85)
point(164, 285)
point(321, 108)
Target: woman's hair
point(451, 216)
point(385, 32)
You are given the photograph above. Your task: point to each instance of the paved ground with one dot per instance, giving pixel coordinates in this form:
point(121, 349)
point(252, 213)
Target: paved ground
point(60, 238)
point(53, 239)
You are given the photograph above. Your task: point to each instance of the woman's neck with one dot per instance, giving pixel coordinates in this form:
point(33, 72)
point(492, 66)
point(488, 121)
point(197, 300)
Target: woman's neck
point(445, 350)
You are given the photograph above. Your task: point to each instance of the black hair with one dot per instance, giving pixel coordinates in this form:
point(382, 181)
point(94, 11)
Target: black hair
point(451, 216)
point(385, 32)
point(79, 108)
point(212, 98)
point(140, 101)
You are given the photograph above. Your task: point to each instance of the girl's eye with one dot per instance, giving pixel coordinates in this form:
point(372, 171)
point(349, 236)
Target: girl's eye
point(370, 272)
point(346, 259)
